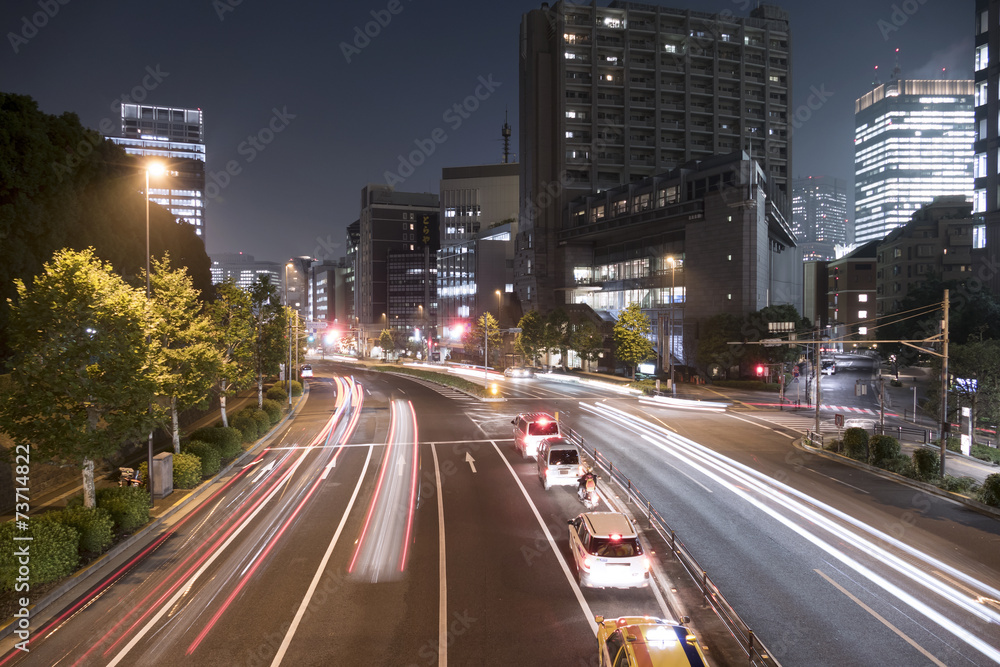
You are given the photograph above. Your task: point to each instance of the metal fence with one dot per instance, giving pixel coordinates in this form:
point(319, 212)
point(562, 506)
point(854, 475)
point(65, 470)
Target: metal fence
point(756, 653)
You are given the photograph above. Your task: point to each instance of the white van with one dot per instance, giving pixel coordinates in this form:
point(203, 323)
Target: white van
point(530, 428)
point(559, 463)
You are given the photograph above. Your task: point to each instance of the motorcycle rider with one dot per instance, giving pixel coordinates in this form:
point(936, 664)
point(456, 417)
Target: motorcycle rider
point(587, 483)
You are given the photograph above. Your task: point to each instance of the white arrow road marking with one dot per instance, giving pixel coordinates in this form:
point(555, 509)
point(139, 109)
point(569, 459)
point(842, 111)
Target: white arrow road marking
point(471, 461)
point(268, 468)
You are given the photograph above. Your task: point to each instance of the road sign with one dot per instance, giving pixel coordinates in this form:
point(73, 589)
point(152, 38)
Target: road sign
point(839, 420)
point(514, 330)
point(795, 371)
point(772, 342)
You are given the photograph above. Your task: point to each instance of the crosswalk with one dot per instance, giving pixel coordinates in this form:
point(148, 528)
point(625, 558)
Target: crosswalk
point(794, 421)
point(446, 391)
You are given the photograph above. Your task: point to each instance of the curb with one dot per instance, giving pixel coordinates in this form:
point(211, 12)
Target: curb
point(972, 504)
point(90, 570)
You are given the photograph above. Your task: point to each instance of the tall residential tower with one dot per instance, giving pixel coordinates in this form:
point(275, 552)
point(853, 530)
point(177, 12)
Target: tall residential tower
point(986, 200)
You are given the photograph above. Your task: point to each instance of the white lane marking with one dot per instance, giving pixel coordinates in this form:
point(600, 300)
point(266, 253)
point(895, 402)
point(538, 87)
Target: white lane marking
point(322, 567)
point(471, 461)
point(263, 471)
point(326, 470)
point(766, 428)
point(927, 654)
point(183, 590)
point(552, 544)
point(379, 444)
point(834, 479)
point(442, 574)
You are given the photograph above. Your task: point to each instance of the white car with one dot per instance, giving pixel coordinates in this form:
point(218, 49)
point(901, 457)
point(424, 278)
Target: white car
point(306, 371)
point(607, 551)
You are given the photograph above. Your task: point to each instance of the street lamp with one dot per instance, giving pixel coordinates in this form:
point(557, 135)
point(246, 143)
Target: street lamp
point(288, 374)
point(670, 326)
point(499, 319)
point(156, 169)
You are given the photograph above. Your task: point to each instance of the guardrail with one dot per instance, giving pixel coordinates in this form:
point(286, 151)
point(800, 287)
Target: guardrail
point(755, 651)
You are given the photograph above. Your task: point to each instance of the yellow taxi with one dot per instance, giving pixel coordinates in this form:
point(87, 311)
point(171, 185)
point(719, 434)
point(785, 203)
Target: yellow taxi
point(645, 641)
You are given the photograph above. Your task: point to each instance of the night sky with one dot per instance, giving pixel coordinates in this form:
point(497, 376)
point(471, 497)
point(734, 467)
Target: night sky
point(251, 63)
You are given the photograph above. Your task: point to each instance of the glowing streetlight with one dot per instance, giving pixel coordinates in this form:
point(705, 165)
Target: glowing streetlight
point(156, 169)
point(670, 332)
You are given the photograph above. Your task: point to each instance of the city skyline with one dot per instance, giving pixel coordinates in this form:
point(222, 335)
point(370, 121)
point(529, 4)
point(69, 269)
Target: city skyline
point(299, 116)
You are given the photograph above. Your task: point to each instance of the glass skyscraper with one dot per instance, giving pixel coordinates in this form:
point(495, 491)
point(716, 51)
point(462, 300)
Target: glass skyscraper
point(912, 143)
point(819, 216)
point(177, 138)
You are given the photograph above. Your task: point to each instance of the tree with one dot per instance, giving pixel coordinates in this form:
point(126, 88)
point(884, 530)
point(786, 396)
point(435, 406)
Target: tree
point(230, 316)
point(557, 330)
point(978, 361)
point(387, 342)
point(268, 324)
point(631, 336)
point(586, 341)
point(713, 348)
point(475, 339)
point(82, 367)
point(531, 340)
point(189, 362)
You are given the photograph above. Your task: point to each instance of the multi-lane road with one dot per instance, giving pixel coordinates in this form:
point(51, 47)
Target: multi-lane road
point(393, 523)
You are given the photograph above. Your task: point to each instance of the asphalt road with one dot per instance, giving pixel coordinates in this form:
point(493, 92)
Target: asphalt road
point(393, 523)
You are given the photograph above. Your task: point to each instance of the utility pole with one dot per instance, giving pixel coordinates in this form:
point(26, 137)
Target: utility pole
point(818, 372)
point(486, 349)
point(881, 401)
point(945, 424)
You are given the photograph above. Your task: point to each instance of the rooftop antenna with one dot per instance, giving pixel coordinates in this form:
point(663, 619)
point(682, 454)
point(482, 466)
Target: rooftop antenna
point(877, 81)
point(505, 131)
point(895, 70)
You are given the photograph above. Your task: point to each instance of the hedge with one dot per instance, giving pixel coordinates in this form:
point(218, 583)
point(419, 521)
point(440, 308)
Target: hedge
point(54, 551)
point(94, 524)
point(274, 409)
point(296, 387)
point(986, 453)
point(989, 492)
point(247, 425)
point(957, 484)
point(926, 464)
point(228, 440)
point(211, 460)
point(883, 448)
point(263, 421)
point(277, 394)
point(856, 443)
point(128, 506)
point(187, 471)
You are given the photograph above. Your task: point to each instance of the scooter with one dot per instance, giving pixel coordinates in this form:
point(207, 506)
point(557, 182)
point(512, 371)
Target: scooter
point(129, 477)
point(588, 494)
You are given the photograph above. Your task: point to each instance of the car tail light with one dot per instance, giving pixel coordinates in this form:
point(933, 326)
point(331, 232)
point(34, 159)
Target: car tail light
point(587, 563)
point(646, 564)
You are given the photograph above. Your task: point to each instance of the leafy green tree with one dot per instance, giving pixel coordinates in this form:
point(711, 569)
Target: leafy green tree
point(82, 367)
point(586, 341)
point(230, 316)
point(475, 338)
point(387, 342)
point(530, 342)
point(979, 361)
point(268, 322)
point(189, 362)
point(631, 335)
point(713, 343)
point(557, 331)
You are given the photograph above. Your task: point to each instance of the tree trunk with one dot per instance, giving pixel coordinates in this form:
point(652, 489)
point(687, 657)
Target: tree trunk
point(175, 427)
point(260, 390)
point(222, 402)
point(89, 497)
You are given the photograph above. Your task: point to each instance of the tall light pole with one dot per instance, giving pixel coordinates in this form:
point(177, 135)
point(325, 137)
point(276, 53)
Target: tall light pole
point(670, 325)
point(156, 169)
point(486, 349)
point(288, 373)
point(499, 320)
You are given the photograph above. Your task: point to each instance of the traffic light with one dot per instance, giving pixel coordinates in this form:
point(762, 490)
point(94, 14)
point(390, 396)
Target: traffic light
point(760, 370)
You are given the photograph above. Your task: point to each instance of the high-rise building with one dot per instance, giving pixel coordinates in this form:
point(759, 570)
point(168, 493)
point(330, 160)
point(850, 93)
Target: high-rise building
point(175, 137)
point(243, 269)
point(401, 222)
point(479, 208)
point(613, 95)
point(819, 216)
point(986, 199)
point(912, 143)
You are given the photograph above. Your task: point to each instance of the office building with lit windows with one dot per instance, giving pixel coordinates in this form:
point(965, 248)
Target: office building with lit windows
point(243, 269)
point(819, 216)
point(986, 199)
point(912, 142)
point(479, 207)
point(400, 223)
point(175, 137)
point(614, 95)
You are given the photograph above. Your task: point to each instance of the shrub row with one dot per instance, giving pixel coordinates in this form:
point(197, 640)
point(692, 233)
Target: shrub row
point(296, 388)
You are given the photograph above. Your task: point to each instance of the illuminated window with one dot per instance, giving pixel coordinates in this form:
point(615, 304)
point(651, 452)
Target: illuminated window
point(862, 314)
point(862, 298)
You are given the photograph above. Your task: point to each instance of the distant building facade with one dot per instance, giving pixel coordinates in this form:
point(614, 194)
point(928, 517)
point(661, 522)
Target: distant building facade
point(938, 240)
point(912, 142)
point(819, 216)
point(851, 291)
point(175, 137)
point(397, 222)
point(614, 95)
point(479, 207)
point(243, 269)
point(986, 197)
